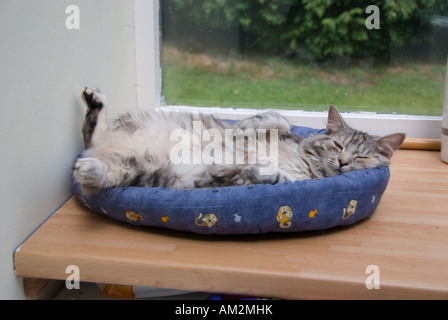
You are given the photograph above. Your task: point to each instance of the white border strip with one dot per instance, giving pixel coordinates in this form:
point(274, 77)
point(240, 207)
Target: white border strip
point(147, 54)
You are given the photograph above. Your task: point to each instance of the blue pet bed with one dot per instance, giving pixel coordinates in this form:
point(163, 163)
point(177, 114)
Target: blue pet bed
point(285, 207)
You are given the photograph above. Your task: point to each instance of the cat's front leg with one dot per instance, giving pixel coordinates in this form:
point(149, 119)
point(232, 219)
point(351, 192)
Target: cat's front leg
point(91, 174)
point(266, 121)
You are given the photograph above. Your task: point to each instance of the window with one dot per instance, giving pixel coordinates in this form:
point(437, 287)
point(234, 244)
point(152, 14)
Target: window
point(230, 57)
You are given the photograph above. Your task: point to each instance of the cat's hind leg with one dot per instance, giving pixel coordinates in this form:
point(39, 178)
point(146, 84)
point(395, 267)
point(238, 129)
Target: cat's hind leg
point(95, 174)
point(95, 122)
point(91, 175)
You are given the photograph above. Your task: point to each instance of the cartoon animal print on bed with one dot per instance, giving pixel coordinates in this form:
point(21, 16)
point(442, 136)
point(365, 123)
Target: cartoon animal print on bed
point(351, 208)
point(284, 216)
point(133, 216)
point(208, 220)
point(312, 213)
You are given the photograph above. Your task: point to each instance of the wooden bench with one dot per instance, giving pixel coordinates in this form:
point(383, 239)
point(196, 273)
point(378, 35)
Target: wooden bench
point(403, 247)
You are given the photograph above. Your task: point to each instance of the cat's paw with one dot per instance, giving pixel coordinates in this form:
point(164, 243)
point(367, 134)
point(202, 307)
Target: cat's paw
point(93, 98)
point(90, 172)
point(266, 121)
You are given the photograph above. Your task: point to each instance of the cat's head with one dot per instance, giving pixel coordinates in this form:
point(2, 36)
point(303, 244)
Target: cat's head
point(355, 150)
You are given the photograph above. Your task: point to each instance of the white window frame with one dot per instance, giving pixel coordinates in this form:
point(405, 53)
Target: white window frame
point(149, 90)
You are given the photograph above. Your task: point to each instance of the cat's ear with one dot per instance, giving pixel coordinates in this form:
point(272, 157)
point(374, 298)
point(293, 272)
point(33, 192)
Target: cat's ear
point(390, 143)
point(335, 121)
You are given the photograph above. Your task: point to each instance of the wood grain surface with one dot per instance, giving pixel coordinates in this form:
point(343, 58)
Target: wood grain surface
point(406, 239)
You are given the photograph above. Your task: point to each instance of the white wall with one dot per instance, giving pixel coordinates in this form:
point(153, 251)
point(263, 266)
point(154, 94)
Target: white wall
point(43, 68)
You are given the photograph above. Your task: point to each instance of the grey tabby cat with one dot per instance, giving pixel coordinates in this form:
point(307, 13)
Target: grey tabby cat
point(137, 150)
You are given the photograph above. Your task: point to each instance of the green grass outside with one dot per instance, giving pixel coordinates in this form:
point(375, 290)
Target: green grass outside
point(205, 80)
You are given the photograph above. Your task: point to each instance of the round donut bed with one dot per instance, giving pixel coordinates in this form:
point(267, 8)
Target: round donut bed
point(307, 205)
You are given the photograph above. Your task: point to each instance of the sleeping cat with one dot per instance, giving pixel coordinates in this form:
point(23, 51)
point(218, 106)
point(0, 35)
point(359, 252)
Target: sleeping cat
point(144, 149)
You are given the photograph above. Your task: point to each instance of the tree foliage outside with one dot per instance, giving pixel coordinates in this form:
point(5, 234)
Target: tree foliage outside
point(318, 29)
point(233, 53)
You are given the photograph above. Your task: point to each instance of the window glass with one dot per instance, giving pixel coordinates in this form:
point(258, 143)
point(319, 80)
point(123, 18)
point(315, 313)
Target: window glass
point(376, 56)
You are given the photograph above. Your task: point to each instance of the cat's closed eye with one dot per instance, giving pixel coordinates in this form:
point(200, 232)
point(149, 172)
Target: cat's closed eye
point(337, 145)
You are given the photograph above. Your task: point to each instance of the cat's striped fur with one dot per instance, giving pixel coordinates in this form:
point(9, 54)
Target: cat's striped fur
point(136, 150)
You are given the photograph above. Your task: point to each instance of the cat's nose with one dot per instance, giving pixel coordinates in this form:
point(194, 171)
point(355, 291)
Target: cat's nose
point(342, 163)
point(344, 159)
